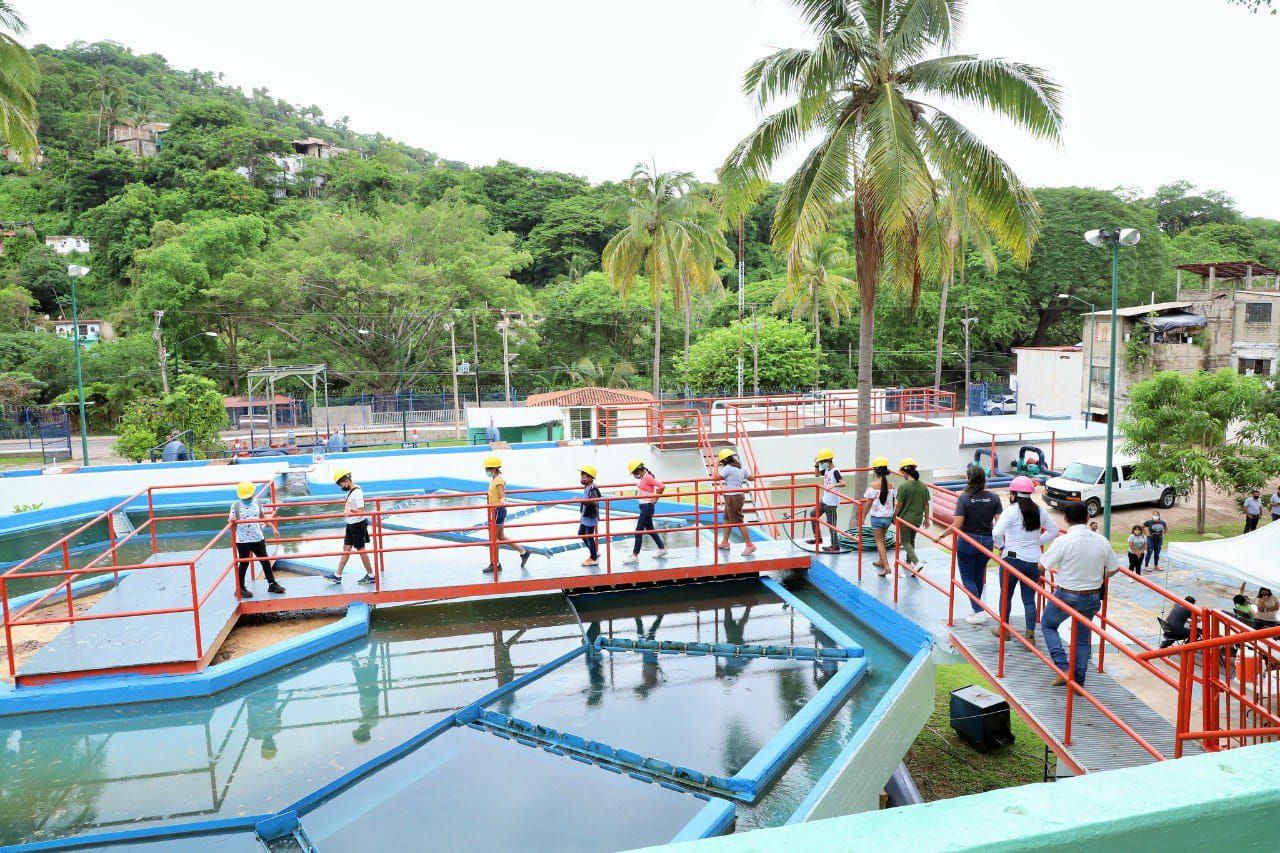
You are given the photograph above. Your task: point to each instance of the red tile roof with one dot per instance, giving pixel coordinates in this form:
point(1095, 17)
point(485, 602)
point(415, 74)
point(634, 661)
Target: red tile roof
point(589, 396)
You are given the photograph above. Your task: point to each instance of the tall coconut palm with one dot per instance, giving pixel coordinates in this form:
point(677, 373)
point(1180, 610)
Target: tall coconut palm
point(954, 231)
point(868, 91)
point(734, 197)
point(19, 79)
point(110, 94)
point(814, 286)
point(668, 238)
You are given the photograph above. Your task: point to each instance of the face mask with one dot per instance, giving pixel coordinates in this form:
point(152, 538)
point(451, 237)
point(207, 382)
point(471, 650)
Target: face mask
point(824, 466)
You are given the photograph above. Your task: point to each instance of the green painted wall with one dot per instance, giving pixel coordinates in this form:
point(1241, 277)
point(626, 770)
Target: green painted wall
point(1222, 801)
point(521, 435)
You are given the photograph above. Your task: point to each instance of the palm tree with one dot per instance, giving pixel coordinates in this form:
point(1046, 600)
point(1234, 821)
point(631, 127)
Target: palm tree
point(955, 231)
point(861, 90)
point(19, 78)
point(587, 372)
point(110, 94)
point(668, 239)
point(815, 286)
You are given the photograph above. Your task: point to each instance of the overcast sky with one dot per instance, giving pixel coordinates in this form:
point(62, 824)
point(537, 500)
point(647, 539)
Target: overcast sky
point(1156, 89)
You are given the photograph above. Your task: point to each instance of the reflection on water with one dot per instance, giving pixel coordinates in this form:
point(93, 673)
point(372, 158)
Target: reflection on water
point(259, 747)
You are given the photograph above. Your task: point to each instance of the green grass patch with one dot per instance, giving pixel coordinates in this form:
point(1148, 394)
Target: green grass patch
point(10, 462)
point(945, 766)
point(1120, 536)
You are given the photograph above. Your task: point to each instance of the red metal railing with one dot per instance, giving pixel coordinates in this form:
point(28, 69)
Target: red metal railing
point(67, 575)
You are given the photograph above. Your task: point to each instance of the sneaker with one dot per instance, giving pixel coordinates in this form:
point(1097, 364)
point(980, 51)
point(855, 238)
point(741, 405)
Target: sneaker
point(524, 558)
point(832, 549)
point(976, 618)
point(367, 579)
point(491, 568)
point(275, 588)
point(749, 550)
point(631, 560)
point(722, 547)
point(245, 592)
point(662, 553)
point(812, 541)
point(332, 578)
point(590, 563)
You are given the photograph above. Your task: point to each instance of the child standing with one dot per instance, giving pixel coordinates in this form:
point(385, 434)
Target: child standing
point(498, 507)
point(1137, 548)
point(649, 488)
point(734, 477)
point(589, 514)
point(884, 500)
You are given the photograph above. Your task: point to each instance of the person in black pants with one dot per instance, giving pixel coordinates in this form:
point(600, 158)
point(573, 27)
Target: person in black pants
point(246, 514)
point(1155, 528)
point(589, 514)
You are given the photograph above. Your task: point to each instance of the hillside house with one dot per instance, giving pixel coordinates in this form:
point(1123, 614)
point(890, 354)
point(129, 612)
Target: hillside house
point(141, 140)
point(585, 408)
point(66, 244)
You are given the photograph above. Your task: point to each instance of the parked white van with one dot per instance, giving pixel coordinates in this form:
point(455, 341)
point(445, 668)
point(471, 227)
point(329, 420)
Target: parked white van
point(1083, 481)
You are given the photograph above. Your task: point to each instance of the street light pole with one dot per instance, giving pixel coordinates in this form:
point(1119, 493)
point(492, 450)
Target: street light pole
point(967, 322)
point(755, 353)
point(1115, 238)
point(453, 352)
point(74, 272)
point(505, 325)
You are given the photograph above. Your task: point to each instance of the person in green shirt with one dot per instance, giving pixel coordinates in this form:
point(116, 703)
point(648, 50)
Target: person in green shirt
point(913, 508)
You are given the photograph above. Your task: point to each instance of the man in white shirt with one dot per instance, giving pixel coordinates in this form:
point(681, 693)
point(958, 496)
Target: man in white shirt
point(1252, 511)
point(1082, 560)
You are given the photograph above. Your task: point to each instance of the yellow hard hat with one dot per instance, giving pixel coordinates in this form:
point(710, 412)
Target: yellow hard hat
point(826, 454)
point(634, 464)
point(341, 474)
point(244, 490)
point(880, 462)
point(589, 470)
point(724, 454)
point(492, 462)
point(907, 463)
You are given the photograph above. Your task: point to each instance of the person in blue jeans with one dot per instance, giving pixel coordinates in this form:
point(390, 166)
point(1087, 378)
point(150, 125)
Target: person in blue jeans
point(1021, 533)
point(1155, 528)
point(1083, 560)
point(976, 512)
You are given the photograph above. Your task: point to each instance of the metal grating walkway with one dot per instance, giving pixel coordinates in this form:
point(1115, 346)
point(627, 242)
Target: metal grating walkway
point(1097, 744)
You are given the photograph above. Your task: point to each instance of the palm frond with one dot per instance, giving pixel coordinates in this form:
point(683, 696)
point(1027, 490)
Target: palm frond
point(1022, 93)
point(809, 196)
point(897, 173)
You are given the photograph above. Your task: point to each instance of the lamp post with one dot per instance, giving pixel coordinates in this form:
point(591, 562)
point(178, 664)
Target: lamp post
point(400, 365)
point(74, 272)
point(177, 354)
point(1093, 321)
point(1115, 238)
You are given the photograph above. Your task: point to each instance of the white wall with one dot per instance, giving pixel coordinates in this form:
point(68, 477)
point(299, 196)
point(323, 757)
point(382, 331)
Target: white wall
point(1052, 380)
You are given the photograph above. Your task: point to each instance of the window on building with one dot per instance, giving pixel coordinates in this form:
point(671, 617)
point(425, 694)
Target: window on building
point(1257, 312)
point(1254, 367)
point(580, 422)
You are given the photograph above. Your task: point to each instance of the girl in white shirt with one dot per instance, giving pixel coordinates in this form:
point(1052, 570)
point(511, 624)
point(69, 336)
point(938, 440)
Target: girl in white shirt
point(1022, 535)
point(884, 498)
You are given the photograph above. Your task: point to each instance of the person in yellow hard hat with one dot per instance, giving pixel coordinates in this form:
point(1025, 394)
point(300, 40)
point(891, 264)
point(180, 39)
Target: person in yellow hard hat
point(913, 508)
point(589, 514)
point(824, 466)
point(734, 476)
point(247, 514)
point(498, 508)
point(356, 536)
point(883, 499)
point(649, 488)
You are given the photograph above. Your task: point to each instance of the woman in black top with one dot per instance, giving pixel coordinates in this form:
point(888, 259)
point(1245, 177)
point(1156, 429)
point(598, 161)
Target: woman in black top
point(1155, 528)
point(976, 513)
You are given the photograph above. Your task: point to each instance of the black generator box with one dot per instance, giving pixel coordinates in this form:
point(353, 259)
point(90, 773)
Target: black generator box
point(980, 718)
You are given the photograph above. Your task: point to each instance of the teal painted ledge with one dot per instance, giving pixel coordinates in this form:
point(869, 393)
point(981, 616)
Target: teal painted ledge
point(1219, 801)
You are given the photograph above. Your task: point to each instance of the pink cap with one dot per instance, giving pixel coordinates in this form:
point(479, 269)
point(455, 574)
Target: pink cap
point(1023, 485)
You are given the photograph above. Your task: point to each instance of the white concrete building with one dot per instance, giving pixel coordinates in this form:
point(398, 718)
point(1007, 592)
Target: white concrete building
point(65, 244)
point(1049, 380)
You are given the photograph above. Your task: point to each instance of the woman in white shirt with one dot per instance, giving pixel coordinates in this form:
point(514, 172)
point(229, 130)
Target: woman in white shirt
point(1022, 535)
point(884, 498)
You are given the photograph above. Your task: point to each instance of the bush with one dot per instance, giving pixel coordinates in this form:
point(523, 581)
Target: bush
point(194, 404)
point(787, 359)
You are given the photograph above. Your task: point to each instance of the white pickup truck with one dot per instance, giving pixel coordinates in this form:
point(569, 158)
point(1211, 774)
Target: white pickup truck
point(1082, 481)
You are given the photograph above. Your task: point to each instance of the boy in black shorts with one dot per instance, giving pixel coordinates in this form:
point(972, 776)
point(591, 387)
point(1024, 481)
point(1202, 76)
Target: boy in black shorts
point(356, 537)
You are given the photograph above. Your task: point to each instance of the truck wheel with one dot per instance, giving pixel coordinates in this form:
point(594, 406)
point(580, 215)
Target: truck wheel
point(1094, 506)
point(1166, 498)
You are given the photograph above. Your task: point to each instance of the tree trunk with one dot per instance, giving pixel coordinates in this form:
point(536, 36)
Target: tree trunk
point(688, 311)
point(817, 343)
point(233, 357)
point(942, 332)
point(657, 350)
point(1200, 505)
point(862, 441)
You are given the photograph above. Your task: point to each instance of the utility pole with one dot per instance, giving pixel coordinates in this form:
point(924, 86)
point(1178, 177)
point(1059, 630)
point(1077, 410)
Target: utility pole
point(967, 322)
point(73, 273)
point(475, 355)
point(506, 358)
point(453, 352)
point(159, 338)
point(755, 353)
point(742, 277)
